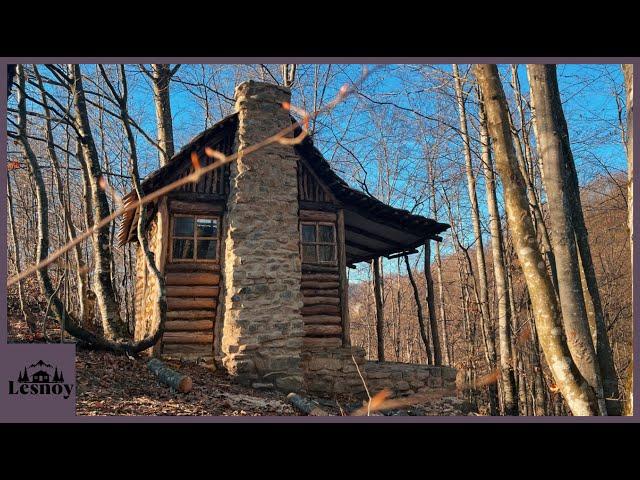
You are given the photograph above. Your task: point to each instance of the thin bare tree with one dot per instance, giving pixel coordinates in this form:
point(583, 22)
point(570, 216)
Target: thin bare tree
point(507, 363)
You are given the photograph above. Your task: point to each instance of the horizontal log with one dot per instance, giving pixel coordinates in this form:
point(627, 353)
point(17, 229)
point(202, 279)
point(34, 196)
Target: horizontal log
point(193, 267)
point(320, 277)
point(195, 207)
point(321, 320)
point(320, 293)
point(322, 342)
point(191, 314)
point(316, 216)
point(317, 206)
point(192, 291)
point(179, 349)
point(320, 310)
point(320, 301)
point(318, 285)
point(179, 337)
point(188, 325)
point(305, 405)
point(321, 330)
point(175, 278)
point(310, 268)
point(170, 377)
point(181, 303)
point(196, 197)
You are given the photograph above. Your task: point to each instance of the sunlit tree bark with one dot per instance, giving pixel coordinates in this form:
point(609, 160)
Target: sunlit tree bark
point(575, 389)
point(627, 69)
point(507, 361)
point(567, 225)
point(113, 326)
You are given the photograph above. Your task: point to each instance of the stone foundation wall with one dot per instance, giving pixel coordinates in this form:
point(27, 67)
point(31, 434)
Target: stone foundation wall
point(328, 372)
point(409, 378)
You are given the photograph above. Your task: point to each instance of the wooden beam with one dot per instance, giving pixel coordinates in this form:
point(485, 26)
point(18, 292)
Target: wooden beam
point(310, 268)
point(322, 330)
point(317, 206)
point(196, 197)
point(374, 236)
point(188, 325)
point(401, 254)
point(196, 207)
point(183, 278)
point(359, 246)
point(324, 342)
point(315, 216)
point(402, 251)
point(343, 283)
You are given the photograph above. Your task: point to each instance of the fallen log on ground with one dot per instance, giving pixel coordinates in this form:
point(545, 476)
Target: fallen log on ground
point(166, 375)
point(305, 405)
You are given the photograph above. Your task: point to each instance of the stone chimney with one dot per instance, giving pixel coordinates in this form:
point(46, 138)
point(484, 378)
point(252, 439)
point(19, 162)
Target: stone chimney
point(263, 327)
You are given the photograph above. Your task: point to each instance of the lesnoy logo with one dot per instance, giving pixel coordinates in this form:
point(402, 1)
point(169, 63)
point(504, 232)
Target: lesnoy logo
point(40, 379)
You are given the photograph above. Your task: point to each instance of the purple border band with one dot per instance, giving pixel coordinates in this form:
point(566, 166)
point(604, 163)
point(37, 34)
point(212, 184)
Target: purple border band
point(345, 60)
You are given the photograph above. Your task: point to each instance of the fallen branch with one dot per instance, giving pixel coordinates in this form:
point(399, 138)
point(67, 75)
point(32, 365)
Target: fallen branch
point(306, 406)
point(175, 380)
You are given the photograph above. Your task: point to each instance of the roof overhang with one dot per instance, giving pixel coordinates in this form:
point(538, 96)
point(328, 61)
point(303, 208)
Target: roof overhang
point(372, 228)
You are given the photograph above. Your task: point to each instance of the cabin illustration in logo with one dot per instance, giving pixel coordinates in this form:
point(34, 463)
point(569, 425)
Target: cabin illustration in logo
point(40, 377)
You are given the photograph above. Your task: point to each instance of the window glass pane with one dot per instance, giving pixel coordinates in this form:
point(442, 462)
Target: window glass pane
point(327, 253)
point(183, 226)
point(207, 227)
point(326, 234)
point(182, 248)
point(308, 233)
point(207, 249)
point(309, 253)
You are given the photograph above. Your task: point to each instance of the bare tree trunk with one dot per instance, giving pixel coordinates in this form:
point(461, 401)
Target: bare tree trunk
point(42, 205)
point(433, 318)
point(540, 390)
point(121, 97)
point(114, 328)
point(448, 350)
point(579, 396)
point(507, 361)
point(627, 70)
point(161, 78)
point(563, 213)
point(377, 293)
point(81, 272)
point(18, 265)
point(487, 328)
point(423, 327)
point(526, 164)
point(448, 355)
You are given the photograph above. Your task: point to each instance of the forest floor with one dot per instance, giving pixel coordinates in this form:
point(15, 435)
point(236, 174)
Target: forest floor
point(109, 384)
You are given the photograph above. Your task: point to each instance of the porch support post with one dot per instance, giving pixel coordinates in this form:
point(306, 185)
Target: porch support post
point(343, 283)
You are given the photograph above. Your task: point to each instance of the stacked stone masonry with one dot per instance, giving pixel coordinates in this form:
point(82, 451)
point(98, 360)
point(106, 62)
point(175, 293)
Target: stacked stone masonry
point(333, 371)
point(263, 327)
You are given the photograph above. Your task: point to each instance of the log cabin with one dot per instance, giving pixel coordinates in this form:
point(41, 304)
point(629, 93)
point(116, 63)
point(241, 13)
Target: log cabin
point(255, 254)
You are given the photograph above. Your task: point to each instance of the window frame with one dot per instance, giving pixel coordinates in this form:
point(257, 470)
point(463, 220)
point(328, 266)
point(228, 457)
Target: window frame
point(195, 238)
point(317, 243)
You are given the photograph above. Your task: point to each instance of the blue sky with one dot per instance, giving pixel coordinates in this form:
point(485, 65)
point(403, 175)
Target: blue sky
point(587, 93)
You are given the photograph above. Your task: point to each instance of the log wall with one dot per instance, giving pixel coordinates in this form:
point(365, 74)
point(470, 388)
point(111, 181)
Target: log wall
point(322, 293)
point(192, 300)
point(321, 310)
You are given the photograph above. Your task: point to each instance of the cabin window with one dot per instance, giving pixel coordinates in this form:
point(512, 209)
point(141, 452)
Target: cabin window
point(194, 238)
point(318, 241)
